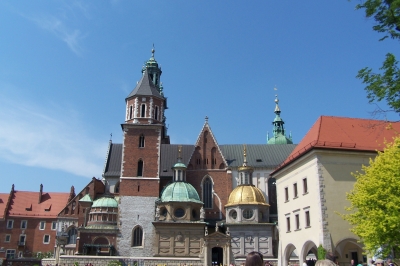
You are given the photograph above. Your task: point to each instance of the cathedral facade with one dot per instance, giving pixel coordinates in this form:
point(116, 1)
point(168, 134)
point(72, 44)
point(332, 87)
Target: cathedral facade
point(207, 202)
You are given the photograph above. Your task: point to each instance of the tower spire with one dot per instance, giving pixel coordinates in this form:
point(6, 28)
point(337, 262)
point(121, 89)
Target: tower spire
point(278, 129)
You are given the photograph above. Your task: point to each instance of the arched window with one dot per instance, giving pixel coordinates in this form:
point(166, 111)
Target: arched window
point(72, 234)
point(207, 193)
point(137, 237)
point(141, 141)
point(143, 111)
point(140, 168)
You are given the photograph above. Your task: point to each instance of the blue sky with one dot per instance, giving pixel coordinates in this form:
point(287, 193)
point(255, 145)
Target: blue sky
point(67, 66)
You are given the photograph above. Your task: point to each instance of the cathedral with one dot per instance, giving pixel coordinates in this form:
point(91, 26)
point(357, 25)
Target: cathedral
point(204, 203)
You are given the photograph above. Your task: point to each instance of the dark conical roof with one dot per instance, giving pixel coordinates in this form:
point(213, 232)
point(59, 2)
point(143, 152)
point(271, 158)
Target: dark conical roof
point(145, 87)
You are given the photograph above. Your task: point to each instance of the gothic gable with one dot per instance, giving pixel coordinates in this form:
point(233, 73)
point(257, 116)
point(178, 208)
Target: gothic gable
point(207, 153)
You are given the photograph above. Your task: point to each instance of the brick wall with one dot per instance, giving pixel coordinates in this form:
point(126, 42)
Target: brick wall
point(34, 237)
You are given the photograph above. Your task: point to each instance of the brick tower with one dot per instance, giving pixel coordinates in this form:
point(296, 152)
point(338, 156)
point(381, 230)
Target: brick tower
point(144, 131)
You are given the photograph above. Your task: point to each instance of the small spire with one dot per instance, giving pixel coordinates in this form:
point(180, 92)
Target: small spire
point(206, 119)
point(179, 153)
point(244, 155)
point(153, 51)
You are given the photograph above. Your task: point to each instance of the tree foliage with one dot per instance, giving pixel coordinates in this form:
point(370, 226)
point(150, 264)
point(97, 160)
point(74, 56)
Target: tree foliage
point(375, 202)
point(385, 85)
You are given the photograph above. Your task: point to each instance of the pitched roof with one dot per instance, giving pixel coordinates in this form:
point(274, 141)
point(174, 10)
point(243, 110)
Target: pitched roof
point(3, 204)
point(112, 165)
point(26, 204)
point(145, 87)
point(169, 156)
point(343, 133)
point(258, 155)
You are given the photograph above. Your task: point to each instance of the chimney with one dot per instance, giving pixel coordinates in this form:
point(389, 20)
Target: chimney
point(40, 193)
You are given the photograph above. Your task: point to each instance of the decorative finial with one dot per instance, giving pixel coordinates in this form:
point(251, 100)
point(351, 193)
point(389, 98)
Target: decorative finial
point(152, 51)
point(206, 119)
point(110, 137)
point(244, 155)
point(179, 152)
point(277, 110)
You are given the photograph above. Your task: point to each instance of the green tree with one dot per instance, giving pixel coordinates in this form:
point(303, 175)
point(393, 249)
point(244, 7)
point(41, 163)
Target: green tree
point(375, 202)
point(384, 85)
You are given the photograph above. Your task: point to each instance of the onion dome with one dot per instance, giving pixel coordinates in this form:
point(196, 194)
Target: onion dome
point(180, 192)
point(105, 202)
point(246, 194)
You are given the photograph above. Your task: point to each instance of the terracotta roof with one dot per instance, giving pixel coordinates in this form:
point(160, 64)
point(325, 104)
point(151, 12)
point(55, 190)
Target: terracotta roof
point(3, 204)
point(26, 203)
point(343, 133)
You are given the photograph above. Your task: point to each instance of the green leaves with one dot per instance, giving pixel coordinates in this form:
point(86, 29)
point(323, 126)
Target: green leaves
point(375, 201)
point(384, 85)
point(386, 14)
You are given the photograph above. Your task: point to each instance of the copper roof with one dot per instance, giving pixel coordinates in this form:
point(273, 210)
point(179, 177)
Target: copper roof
point(343, 133)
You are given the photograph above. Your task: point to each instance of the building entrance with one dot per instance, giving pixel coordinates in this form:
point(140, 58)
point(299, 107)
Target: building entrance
point(217, 257)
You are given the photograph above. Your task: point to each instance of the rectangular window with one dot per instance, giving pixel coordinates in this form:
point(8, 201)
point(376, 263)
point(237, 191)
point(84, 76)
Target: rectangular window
point(287, 224)
point(307, 214)
point(53, 225)
point(297, 222)
point(24, 224)
point(295, 190)
point(42, 225)
point(10, 224)
point(20, 254)
point(10, 254)
point(305, 188)
point(8, 238)
point(286, 194)
point(22, 239)
point(46, 239)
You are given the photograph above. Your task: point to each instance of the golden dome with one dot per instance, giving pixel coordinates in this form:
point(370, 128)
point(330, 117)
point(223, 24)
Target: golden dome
point(246, 194)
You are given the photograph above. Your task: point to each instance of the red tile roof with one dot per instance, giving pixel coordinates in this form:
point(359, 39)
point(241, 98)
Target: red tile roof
point(330, 132)
point(3, 204)
point(26, 203)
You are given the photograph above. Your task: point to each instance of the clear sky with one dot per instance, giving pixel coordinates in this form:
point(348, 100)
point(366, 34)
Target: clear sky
point(67, 66)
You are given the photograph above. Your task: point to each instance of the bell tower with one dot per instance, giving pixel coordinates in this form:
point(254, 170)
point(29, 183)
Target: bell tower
point(144, 130)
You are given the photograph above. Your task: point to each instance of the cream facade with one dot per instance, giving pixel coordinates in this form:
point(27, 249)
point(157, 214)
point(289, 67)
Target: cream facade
point(311, 191)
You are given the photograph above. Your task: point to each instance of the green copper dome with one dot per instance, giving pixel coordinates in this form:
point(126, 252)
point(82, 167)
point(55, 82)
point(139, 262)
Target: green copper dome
point(179, 165)
point(280, 139)
point(180, 192)
point(86, 198)
point(105, 202)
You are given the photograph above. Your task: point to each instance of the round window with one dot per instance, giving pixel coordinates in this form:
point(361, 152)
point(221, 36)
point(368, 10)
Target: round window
point(234, 214)
point(247, 214)
point(179, 212)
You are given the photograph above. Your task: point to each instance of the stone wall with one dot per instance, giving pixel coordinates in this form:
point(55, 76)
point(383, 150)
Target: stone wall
point(136, 211)
point(126, 261)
